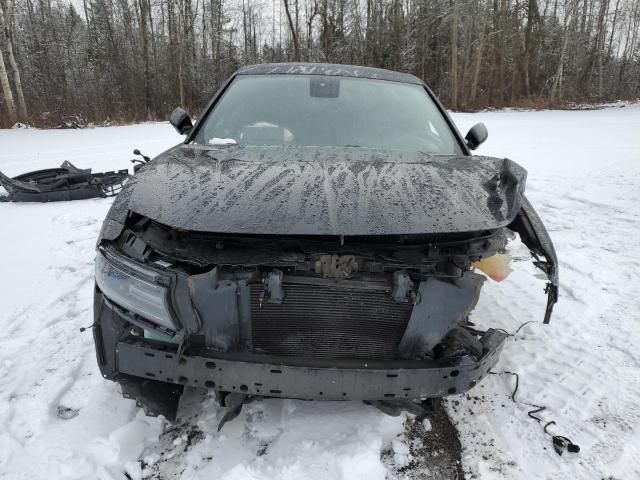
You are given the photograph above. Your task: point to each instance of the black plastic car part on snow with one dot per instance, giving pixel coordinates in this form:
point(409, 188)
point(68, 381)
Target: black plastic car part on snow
point(60, 184)
point(327, 273)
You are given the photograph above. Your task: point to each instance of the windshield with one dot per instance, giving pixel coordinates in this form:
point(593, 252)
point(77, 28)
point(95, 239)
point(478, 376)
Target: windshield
point(319, 110)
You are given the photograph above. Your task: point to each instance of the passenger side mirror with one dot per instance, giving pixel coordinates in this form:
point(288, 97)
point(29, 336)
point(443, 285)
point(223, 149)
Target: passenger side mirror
point(476, 136)
point(180, 121)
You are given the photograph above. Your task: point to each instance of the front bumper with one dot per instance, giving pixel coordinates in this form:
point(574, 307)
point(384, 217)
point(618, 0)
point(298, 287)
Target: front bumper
point(342, 380)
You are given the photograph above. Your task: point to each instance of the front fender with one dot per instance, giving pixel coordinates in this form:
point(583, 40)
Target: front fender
point(535, 236)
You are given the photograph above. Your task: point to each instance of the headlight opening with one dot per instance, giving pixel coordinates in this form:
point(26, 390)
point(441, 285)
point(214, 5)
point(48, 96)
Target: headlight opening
point(137, 289)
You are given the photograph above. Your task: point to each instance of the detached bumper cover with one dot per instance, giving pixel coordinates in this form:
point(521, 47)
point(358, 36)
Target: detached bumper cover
point(360, 380)
point(61, 184)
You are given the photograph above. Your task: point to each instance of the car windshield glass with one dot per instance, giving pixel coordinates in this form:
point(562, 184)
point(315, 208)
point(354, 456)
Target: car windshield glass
point(319, 110)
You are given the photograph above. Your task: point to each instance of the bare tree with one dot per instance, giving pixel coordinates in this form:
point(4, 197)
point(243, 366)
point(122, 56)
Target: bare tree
point(7, 22)
point(293, 30)
point(136, 59)
point(6, 90)
point(454, 55)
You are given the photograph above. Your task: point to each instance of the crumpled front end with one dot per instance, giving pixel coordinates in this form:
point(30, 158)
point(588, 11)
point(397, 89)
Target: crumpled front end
point(377, 318)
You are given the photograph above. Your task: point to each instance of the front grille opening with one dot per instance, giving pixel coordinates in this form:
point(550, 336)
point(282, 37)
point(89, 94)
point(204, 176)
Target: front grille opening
point(329, 321)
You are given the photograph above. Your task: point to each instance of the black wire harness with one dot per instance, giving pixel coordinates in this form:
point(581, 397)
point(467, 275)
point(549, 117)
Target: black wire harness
point(560, 443)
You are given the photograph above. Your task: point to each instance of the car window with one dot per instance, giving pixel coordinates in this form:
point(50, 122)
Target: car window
point(319, 110)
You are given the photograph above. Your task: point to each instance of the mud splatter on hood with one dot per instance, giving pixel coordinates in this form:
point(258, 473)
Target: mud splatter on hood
point(323, 191)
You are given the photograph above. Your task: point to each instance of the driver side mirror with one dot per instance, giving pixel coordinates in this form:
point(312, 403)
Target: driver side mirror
point(476, 136)
point(180, 121)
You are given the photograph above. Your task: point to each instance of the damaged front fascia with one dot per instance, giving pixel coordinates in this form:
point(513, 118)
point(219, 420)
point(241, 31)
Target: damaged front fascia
point(221, 294)
point(199, 249)
point(440, 306)
point(184, 247)
point(535, 236)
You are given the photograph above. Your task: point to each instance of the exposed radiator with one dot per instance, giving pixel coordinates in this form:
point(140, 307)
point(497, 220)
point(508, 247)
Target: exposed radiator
point(345, 320)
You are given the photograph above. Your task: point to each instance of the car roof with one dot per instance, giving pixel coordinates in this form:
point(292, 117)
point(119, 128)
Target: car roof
point(328, 69)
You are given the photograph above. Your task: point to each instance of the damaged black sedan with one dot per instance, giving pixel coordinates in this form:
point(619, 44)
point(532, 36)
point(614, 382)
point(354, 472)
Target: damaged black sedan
point(317, 235)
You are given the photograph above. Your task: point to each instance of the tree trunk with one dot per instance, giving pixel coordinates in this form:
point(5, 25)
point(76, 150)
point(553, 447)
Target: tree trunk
point(144, 5)
point(294, 33)
point(557, 80)
point(478, 64)
point(532, 19)
point(454, 57)
point(8, 10)
point(6, 90)
point(314, 12)
point(613, 27)
point(600, 42)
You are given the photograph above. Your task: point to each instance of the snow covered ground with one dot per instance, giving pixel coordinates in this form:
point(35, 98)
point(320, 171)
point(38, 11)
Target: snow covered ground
point(60, 420)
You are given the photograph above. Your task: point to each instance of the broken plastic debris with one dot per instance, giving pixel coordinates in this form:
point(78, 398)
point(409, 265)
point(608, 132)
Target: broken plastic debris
point(495, 267)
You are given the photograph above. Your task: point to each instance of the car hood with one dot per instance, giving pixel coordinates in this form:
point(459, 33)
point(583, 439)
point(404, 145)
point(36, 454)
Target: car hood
point(322, 191)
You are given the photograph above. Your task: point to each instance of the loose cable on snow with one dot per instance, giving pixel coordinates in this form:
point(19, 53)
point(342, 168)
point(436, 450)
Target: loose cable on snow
point(560, 443)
